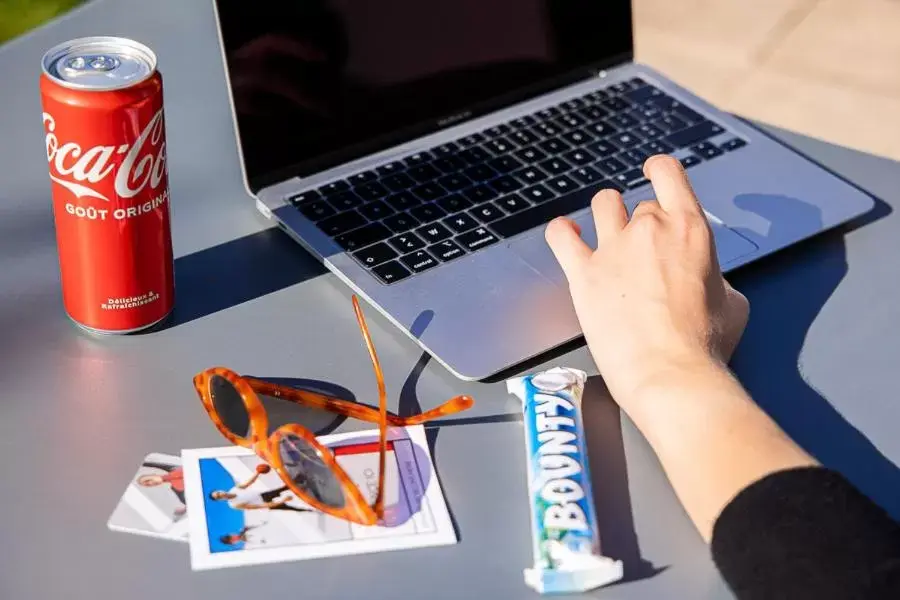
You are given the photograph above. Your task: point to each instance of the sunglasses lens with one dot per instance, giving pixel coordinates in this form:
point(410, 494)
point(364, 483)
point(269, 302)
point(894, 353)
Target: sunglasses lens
point(230, 406)
point(309, 472)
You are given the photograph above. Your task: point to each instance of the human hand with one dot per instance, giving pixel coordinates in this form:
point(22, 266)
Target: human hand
point(651, 298)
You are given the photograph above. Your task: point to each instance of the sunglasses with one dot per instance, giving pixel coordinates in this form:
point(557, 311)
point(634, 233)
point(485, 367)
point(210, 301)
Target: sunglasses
point(306, 467)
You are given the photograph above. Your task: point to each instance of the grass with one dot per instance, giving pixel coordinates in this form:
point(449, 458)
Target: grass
point(20, 16)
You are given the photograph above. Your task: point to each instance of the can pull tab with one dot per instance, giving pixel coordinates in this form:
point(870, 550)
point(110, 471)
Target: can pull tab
point(85, 65)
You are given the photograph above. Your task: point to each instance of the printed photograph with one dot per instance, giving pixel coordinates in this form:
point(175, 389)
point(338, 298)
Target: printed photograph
point(154, 502)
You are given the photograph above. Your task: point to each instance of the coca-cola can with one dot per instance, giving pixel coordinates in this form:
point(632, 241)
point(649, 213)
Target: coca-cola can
point(106, 149)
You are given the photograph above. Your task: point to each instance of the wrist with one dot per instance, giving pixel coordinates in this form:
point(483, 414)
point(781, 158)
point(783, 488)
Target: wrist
point(672, 375)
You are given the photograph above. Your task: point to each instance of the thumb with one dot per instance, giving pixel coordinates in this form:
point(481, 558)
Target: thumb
point(564, 238)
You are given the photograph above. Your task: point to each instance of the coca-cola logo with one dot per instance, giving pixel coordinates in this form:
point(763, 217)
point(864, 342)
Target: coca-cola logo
point(80, 170)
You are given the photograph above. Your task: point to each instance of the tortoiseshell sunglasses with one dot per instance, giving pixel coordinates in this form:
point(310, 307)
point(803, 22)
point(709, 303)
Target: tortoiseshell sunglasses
point(308, 468)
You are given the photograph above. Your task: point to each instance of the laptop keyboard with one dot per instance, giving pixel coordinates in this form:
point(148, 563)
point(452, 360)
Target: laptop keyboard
point(432, 207)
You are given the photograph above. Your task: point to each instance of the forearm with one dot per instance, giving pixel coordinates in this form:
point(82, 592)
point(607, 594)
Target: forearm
point(711, 438)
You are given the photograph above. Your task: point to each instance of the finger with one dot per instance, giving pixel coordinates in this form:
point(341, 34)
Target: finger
point(564, 238)
point(645, 207)
point(610, 216)
point(671, 185)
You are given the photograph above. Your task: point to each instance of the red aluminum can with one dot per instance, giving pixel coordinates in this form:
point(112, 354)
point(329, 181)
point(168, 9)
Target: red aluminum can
point(106, 149)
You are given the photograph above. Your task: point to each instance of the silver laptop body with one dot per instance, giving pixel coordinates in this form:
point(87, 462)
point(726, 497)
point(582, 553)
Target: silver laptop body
point(494, 307)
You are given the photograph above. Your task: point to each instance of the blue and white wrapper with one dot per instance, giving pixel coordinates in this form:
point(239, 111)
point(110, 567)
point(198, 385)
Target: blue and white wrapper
point(565, 540)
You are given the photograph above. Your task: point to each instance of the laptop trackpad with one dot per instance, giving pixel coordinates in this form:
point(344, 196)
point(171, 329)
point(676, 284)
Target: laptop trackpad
point(730, 246)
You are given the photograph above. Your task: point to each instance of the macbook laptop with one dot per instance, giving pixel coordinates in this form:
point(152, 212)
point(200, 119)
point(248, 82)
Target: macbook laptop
point(418, 149)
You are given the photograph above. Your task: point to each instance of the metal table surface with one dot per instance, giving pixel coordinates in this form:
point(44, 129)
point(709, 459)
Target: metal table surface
point(77, 414)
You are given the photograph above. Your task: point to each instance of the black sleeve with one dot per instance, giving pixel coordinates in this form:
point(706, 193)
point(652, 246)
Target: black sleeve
point(807, 533)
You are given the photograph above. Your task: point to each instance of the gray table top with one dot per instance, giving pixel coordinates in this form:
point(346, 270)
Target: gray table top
point(80, 413)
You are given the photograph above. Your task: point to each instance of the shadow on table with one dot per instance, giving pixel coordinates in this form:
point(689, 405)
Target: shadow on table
point(786, 293)
point(238, 271)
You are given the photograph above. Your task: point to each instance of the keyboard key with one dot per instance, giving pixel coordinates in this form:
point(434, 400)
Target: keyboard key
point(592, 113)
point(398, 182)
point(631, 179)
point(334, 187)
point(650, 131)
point(498, 130)
point(342, 222)
point(601, 129)
point(562, 185)
point(577, 137)
point(573, 104)
point(657, 147)
point(663, 102)
point(620, 88)
point(454, 182)
point(419, 261)
point(448, 149)
point(499, 147)
point(433, 233)
point(610, 166)
point(344, 200)
point(375, 211)
point(707, 150)
point(530, 155)
point(537, 194)
point(371, 191)
point(363, 236)
point(363, 177)
point(549, 113)
point(524, 138)
point(513, 203)
point(686, 114)
point(645, 113)
point(471, 140)
point(670, 123)
point(602, 148)
point(461, 222)
point(474, 156)
point(454, 203)
point(417, 159)
point(446, 251)
point(449, 164)
point(506, 184)
point(734, 144)
point(390, 272)
point(427, 212)
point(530, 175)
point(304, 197)
point(598, 95)
point(401, 222)
point(547, 130)
point(543, 213)
point(480, 173)
point(479, 194)
point(505, 164)
point(375, 254)
point(579, 157)
point(479, 238)
point(403, 201)
point(423, 173)
point(626, 140)
point(523, 122)
point(586, 175)
point(429, 192)
point(570, 121)
point(634, 157)
point(486, 212)
point(406, 242)
point(390, 169)
point(693, 135)
point(317, 210)
point(615, 104)
point(642, 94)
point(636, 82)
point(554, 146)
point(690, 160)
point(622, 121)
point(555, 166)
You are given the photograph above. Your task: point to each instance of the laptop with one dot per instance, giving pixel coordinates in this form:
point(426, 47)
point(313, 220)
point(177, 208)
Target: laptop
point(418, 149)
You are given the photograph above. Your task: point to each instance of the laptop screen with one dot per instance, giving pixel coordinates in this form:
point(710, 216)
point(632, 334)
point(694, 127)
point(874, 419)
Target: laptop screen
point(319, 82)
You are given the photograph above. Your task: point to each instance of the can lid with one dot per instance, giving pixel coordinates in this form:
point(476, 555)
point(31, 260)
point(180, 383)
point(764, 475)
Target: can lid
point(99, 63)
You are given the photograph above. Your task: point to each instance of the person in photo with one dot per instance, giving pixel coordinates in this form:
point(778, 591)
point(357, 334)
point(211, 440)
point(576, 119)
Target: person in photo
point(241, 497)
point(173, 477)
